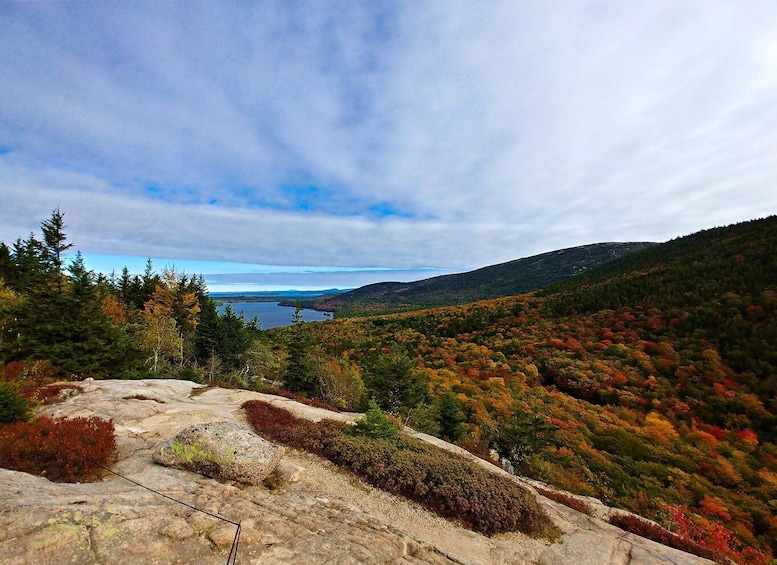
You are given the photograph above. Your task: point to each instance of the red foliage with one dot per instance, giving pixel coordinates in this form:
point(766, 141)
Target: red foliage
point(717, 432)
point(715, 537)
point(282, 426)
point(47, 394)
point(649, 530)
point(28, 372)
point(714, 507)
point(62, 450)
point(301, 399)
point(566, 499)
point(748, 436)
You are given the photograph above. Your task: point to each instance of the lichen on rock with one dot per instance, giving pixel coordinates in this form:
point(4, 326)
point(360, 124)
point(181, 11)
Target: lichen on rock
point(222, 450)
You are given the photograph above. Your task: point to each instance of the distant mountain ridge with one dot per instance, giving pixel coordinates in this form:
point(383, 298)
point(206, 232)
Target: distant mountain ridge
point(495, 281)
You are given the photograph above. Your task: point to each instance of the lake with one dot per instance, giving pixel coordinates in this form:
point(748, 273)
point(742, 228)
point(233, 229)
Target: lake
point(271, 315)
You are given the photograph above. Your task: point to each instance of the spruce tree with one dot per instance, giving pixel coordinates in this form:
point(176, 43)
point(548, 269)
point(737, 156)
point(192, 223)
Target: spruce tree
point(394, 382)
point(300, 373)
point(55, 244)
point(451, 416)
point(7, 270)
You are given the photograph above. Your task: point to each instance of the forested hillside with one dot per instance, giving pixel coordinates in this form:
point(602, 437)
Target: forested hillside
point(505, 279)
point(650, 382)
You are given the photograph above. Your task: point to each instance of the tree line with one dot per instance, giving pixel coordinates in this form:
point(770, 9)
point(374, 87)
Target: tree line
point(155, 324)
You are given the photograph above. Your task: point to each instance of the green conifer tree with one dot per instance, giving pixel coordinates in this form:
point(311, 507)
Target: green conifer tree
point(300, 372)
point(55, 244)
point(394, 382)
point(451, 416)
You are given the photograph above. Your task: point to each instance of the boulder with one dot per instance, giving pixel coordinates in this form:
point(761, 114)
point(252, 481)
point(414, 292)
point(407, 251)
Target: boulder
point(221, 450)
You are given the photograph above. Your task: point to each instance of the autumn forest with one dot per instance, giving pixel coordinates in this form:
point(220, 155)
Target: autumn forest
point(649, 382)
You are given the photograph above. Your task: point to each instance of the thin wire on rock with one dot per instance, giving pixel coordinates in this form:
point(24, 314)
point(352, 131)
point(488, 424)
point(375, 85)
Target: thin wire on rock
point(231, 558)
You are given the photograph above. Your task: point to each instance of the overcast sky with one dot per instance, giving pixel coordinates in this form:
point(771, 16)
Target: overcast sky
point(320, 138)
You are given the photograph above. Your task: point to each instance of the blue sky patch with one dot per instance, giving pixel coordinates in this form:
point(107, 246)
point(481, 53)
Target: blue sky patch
point(385, 210)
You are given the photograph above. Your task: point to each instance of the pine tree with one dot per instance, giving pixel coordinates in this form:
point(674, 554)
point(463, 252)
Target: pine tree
point(29, 269)
point(91, 336)
point(206, 336)
point(124, 285)
point(148, 283)
point(234, 337)
point(68, 328)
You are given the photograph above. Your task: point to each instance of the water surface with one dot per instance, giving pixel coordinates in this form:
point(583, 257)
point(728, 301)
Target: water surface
point(272, 315)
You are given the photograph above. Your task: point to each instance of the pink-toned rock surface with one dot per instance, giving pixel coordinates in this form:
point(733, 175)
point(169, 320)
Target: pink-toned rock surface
point(221, 450)
point(321, 515)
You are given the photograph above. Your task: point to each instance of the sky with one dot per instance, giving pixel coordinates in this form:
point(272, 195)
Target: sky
point(322, 144)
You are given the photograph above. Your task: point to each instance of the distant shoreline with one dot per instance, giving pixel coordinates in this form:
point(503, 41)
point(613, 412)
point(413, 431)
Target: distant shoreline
point(282, 297)
point(273, 314)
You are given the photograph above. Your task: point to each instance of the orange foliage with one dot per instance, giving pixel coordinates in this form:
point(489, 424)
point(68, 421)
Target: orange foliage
point(713, 507)
point(115, 310)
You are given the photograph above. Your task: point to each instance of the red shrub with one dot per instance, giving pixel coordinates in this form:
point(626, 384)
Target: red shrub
point(62, 450)
point(48, 394)
point(282, 426)
point(265, 416)
point(301, 399)
point(30, 372)
point(649, 530)
point(566, 499)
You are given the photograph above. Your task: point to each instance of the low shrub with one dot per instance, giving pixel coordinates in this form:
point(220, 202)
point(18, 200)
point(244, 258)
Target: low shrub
point(282, 426)
point(566, 499)
point(62, 450)
point(449, 485)
point(453, 487)
point(49, 394)
point(301, 399)
point(649, 530)
point(13, 406)
point(28, 372)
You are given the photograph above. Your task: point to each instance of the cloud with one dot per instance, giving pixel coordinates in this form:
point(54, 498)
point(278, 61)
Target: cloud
point(399, 135)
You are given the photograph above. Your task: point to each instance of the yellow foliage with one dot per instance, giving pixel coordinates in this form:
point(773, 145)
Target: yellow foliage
point(769, 477)
point(659, 428)
point(8, 297)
